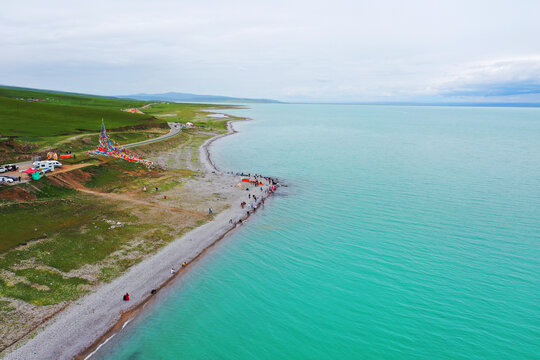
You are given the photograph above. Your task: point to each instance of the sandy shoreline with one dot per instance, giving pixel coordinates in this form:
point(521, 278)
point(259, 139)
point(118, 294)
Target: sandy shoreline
point(84, 325)
point(204, 154)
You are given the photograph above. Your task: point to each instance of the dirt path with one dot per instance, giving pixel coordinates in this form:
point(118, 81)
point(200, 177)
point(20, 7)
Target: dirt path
point(67, 168)
point(175, 129)
point(122, 197)
point(74, 138)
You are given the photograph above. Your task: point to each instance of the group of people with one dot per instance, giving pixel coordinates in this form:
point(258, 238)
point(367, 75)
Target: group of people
point(154, 291)
point(272, 185)
point(270, 180)
point(183, 265)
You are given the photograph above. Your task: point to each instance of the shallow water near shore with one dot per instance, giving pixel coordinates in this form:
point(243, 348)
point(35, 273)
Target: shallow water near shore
point(404, 233)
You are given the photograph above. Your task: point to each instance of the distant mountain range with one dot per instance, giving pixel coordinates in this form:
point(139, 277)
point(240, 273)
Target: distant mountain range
point(186, 97)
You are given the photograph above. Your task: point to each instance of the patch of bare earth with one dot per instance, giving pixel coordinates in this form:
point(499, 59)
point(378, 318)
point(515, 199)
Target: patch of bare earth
point(17, 193)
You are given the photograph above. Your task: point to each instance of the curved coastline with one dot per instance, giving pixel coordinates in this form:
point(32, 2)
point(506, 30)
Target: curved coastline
point(205, 147)
point(85, 325)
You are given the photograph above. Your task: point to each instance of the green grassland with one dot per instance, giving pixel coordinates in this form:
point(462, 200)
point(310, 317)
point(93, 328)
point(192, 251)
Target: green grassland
point(118, 176)
point(62, 230)
point(25, 221)
point(41, 119)
point(59, 288)
point(65, 98)
point(66, 121)
point(36, 127)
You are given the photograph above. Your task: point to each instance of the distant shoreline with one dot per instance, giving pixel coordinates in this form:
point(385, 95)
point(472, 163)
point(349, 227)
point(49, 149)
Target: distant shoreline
point(438, 104)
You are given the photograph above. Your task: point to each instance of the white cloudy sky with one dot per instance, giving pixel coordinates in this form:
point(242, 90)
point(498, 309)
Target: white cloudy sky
point(289, 50)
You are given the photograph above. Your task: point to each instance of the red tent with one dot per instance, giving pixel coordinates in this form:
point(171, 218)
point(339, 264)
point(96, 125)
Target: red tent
point(29, 171)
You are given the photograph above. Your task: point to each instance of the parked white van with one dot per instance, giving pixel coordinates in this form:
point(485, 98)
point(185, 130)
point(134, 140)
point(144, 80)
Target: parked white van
point(56, 163)
point(43, 166)
point(46, 163)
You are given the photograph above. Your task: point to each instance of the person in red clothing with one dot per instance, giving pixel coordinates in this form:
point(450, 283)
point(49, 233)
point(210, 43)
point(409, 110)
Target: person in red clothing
point(126, 297)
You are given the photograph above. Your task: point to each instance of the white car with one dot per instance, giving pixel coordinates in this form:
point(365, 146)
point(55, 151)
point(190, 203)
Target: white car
point(47, 169)
point(6, 179)
point(3, 169)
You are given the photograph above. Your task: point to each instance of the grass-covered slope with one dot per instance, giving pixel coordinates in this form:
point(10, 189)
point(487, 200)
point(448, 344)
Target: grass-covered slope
point(62, 114)
point(66, 98)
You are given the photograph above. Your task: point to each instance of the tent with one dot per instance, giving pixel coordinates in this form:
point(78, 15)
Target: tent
point(29, 171)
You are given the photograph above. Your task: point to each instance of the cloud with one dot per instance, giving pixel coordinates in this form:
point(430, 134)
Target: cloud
point(343, 50)
point(505, 77)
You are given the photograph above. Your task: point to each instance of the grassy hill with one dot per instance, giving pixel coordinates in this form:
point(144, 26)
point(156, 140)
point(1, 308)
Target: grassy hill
point(63, 113)
point(67, 98)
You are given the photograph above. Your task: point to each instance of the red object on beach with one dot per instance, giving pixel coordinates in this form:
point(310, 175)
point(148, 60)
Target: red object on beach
point(66, 156)
point(245, 180)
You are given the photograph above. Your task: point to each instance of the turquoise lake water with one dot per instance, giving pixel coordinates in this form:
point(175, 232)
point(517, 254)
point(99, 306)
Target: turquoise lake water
point(404, 233)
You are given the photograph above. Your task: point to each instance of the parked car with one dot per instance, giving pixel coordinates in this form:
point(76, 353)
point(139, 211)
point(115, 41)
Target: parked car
point(46, 169)
point(5, 179)
point(3, 169)
point(10, 167)
point(14, 178)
